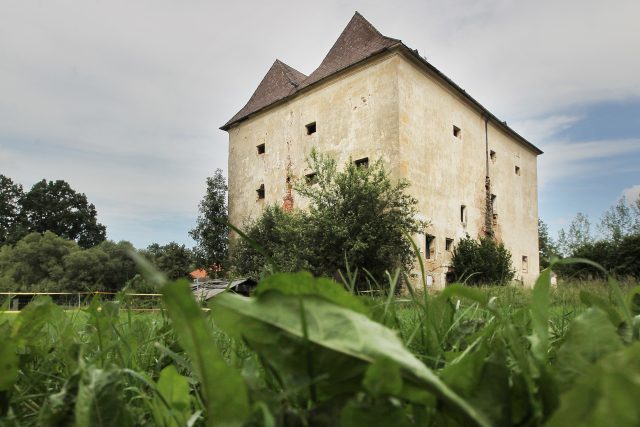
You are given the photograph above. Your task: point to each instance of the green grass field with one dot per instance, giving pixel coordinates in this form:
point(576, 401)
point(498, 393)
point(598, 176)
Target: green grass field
point(304, 351)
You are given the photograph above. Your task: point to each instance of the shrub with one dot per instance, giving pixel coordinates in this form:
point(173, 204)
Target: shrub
point(482, 262)
point(357, 215)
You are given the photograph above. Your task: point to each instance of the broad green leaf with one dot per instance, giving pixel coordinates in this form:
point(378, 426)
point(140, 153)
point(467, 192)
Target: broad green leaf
point(58, 409)
point(172, 408)
point(341, 343)
point(356, 414)
point(606, 395)
point(589, 337)
point(304, 283)
point(224, 391)
point(100, 400)
point(32, 318)
point(592, 300)
point(467, 292)
point(540, 316)
point(383, 377)
point(8, 364)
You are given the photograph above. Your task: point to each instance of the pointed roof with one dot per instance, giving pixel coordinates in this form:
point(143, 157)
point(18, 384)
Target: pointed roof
point(280, 81)
point(359, 40)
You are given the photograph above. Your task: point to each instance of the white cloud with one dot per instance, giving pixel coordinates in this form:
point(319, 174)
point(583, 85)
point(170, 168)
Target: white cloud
point(632, 193)
point(123, 99)
point(564, 160)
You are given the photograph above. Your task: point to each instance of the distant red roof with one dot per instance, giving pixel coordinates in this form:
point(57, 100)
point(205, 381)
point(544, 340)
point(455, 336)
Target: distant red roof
point(199, 274)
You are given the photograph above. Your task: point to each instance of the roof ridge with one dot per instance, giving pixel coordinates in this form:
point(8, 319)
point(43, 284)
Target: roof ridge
point(371, 26)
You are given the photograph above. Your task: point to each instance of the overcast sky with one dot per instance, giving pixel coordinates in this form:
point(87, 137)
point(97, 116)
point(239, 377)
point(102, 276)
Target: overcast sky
point(123, 99)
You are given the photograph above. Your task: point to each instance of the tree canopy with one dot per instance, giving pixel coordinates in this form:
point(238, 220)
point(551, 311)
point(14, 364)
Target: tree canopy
point(211, 232)
point(357, 216)
point(48, 206)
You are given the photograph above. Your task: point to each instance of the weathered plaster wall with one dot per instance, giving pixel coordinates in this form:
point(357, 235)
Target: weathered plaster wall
point(447, 172)
point(390, 108)
point(516, 201)
point(356, 115)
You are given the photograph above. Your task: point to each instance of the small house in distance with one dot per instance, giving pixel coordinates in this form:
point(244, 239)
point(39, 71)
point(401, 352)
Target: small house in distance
point(374, 97)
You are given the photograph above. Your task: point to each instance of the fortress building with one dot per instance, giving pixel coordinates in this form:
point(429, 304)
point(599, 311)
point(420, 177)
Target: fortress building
point(373, 97)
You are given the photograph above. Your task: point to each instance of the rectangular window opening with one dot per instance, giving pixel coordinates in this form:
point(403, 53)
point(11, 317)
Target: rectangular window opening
point(525, 264)
point(260, 192)
point(311, 178)
point(311, 128)
point(448, 244)
point(261, 148)
point(517, 170)
point(457, 132)
point(362, 163)
point(493, 202)
point(463, 214)
point(492, 156)
point(429, 245)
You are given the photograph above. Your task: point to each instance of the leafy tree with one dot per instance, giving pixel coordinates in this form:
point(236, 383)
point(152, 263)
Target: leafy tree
point(35, 263)
point(482, 262)
point(618, 221)
point(10, 196)
point(357, 215)
point(579, 234)
point(56, 207)
point(174, 260)
point(280, 234)
point(211, 232)
point(546, 245)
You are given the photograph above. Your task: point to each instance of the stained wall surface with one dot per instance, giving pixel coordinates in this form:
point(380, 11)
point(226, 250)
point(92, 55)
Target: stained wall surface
point(393, 109)
point(356, 116)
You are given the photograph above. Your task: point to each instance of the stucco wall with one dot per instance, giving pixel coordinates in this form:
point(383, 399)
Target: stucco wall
point(448, 172)
point(356, 115)
point(390, 108)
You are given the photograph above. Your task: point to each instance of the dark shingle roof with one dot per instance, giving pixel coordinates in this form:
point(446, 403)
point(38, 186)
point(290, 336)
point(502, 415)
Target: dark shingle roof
point(280, 81)
point(359, 40)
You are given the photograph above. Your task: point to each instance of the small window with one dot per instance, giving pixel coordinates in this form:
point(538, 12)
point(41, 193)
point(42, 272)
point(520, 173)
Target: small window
point(448, 244)
point(429, 245)
point(311, 128)
point(493, 202)
point(517, 170)
point(260, 192)
point(492, 156)
point(311, 178)
point(525, 264)
point(260, 149)
point(457, 132)
point(463, 214)
point(362, 163)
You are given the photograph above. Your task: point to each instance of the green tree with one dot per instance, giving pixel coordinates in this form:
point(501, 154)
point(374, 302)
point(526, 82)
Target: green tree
point(357, 215)
point(174, 260)
point(579, 234)
point(211, 232)
point(482, 262)
point(546, 245)
point(280, 234)
point(618, 221)
point(35, 263)
point(10, 223)
point(56, 207)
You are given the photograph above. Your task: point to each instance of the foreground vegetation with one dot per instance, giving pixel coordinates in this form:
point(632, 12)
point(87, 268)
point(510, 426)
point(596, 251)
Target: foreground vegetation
point(305, 351)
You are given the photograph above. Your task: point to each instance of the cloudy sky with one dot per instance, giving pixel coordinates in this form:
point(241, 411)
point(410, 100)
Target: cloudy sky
point(123, 99)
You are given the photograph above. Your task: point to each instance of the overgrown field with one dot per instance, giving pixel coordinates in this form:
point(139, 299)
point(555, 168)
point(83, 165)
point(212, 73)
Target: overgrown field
point(305, 351)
